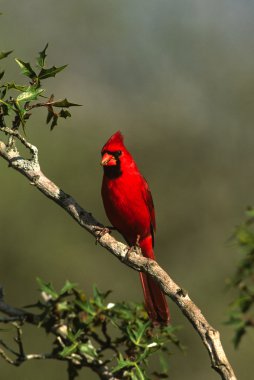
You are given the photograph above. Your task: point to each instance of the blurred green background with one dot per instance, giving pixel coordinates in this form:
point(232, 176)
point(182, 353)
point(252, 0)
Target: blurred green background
point(177, 78)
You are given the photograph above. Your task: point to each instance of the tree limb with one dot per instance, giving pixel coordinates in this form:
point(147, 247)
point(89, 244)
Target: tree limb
point(30, 168)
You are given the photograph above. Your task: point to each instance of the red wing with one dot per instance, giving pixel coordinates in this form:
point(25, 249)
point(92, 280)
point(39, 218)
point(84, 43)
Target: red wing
point(149, 201)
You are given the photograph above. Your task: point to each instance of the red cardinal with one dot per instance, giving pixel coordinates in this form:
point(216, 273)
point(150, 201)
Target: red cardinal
point(129, 207)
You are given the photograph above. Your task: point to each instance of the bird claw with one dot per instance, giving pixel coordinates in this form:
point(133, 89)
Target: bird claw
point(103, 231)
point(134, 248)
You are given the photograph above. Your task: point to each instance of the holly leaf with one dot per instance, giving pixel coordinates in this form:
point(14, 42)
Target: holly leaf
point(50, 115)
point(51, 72)
point(54, 122)
point(26, 68)
point(12, 85)
point(64, 103)
point(31, 94)
point(4, 54)
point(42, 57)
point(64, 113)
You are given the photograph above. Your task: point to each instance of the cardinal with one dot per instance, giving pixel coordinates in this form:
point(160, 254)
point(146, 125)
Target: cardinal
point(129, 207)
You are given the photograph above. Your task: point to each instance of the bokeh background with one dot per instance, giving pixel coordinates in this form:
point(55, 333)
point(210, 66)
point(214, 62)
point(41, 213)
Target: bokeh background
point(177, 78)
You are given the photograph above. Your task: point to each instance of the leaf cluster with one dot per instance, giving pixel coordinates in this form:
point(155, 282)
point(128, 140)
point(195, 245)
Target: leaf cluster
point(18, 101)
point(119, 335)
point(241, 315)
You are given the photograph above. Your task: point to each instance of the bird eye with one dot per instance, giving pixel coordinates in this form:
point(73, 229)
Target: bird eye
point(118, 153)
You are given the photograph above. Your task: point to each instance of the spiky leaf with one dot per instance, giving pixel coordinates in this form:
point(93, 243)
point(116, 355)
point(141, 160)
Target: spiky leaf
point(4, 54)
point(42, 57)
point(47, 288)
point(64, 103)
point(12, 85)
point(68, 286)
point(64, 113)
point(122, 363)
point(51, 72)
point(26, 69)
point(54, 122)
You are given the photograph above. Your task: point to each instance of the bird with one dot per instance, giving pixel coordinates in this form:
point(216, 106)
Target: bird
point(129, 207)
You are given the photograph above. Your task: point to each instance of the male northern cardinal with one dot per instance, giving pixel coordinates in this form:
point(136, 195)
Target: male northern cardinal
point(129, 207)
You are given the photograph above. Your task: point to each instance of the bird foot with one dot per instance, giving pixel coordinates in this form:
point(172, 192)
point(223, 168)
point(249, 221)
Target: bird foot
point(134, 248)
point(103, 231)
point(137, 241)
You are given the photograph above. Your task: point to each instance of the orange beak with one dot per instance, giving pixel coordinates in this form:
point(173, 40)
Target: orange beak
point(108, 160)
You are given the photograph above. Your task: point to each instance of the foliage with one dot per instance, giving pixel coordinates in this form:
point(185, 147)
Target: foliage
point(92, 332)
point(241, 316)
point(17, 100)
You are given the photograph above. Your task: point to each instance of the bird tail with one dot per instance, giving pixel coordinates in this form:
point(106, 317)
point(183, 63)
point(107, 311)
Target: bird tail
point(155, 301)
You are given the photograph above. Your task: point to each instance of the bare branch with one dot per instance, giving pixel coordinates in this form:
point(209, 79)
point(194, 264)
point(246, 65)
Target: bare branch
point(210, 337)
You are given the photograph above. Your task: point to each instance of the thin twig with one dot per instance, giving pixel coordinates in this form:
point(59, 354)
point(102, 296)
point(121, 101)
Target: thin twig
point(15, 133)
point(18, 340)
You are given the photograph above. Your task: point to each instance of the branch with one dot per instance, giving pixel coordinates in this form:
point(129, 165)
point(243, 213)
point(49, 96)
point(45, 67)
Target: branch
point(31, 169)
point(21, 357)
point(75, 361)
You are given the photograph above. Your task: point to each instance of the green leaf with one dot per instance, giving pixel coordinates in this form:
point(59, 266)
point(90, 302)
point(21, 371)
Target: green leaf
point(42, 57)
point(68, 286)
point(64, 103)
point(239, 333)
point(139, 373)
point(26, 69)
point(86, 306)
point(99, 297)
point(73, 337)
point(51, 72)
point(244, 236)
point(47, 288)
point(68, 350)
point(1, 74)
point(4, 54)
point(139, 330)
point(32, 93)
point(122, 363)
point(89, 351)
point(12, 85)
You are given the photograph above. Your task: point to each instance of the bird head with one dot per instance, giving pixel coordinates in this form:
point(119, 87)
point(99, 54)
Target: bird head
point(115, 157)
point(112, 150)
